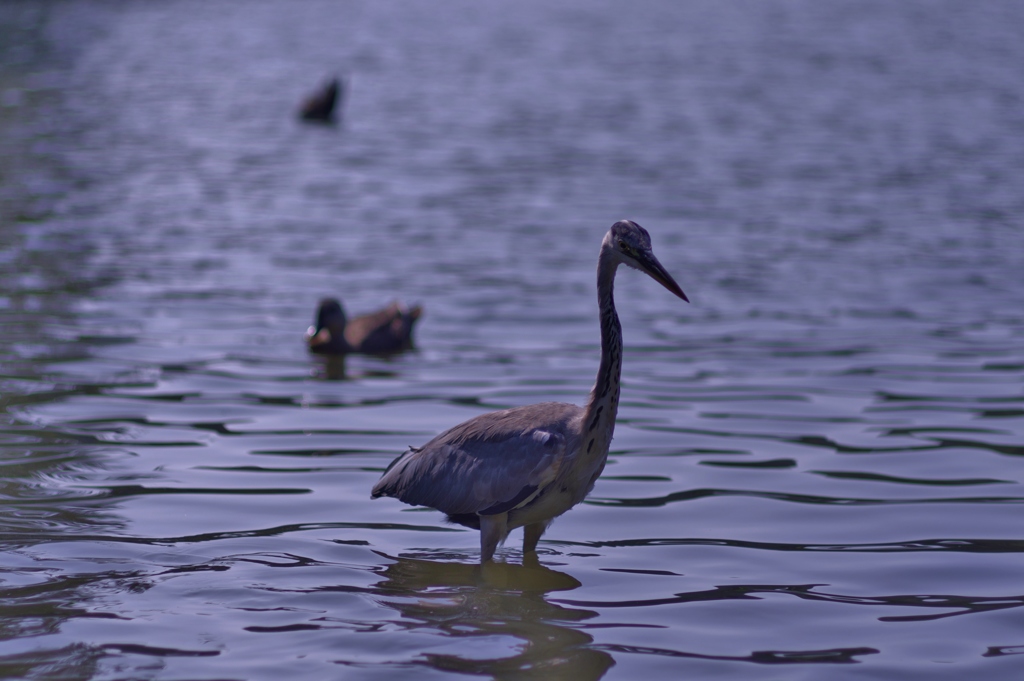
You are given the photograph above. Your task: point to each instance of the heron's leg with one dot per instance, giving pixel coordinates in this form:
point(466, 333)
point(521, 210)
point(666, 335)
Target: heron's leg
point(531, 535)
point(493, 530)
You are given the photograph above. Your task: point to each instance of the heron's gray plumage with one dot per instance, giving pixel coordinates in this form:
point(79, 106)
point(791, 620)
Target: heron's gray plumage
point(523, 467)
point(485, 461)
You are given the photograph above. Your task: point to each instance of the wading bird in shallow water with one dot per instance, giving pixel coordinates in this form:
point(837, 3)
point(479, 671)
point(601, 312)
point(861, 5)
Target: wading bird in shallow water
point(378, 333)
point(525, 466)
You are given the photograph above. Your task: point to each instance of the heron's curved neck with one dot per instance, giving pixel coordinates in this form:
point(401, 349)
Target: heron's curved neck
point(604, 398)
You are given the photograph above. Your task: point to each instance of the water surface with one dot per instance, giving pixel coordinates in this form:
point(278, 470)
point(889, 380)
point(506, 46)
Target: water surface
point(817, 467)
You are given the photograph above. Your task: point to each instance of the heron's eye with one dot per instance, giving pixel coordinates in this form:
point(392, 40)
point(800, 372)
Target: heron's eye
point(624, 246)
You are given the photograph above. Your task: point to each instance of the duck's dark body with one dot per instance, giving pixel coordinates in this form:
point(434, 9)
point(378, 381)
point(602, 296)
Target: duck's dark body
point(382, 332)
point(321, 105)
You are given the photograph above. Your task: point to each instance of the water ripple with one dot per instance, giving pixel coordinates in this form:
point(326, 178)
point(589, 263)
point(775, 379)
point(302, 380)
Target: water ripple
point(773, 657)
point(1011, 546)
point(691, 495)
point(953, 605)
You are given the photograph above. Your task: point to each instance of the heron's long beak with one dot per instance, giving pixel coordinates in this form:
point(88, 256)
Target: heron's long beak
point(652, 267)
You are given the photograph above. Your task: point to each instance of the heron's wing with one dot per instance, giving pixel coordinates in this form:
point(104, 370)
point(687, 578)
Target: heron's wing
point(490, 464)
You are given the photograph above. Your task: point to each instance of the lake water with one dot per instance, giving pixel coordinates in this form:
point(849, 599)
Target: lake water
point(817, 471)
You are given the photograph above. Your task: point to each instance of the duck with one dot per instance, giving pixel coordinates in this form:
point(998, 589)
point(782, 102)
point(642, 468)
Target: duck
point(319, 106)
point(384, 332)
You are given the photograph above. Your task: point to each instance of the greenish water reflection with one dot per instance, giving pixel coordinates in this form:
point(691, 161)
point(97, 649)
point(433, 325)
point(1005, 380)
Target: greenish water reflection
point(495, 600)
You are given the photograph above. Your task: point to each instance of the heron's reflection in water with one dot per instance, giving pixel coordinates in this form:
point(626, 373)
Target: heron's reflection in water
point(495, 600)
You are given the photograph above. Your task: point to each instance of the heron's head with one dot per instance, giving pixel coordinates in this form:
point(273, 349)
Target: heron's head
point(630, 244)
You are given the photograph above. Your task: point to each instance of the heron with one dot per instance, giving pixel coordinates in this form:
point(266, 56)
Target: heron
point(383, 332)
point(525, 466)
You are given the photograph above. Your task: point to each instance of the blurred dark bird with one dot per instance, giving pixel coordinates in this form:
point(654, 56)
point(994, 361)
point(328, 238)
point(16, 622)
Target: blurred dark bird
point(382, 332)
point(320, 106)
point(525, 466)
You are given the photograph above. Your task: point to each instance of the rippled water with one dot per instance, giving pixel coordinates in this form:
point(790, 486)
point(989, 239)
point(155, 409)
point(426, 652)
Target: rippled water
point(818, 464)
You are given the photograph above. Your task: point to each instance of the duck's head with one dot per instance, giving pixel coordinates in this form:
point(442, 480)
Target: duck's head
point(328, 333)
